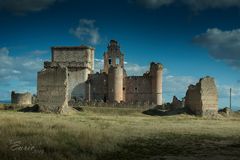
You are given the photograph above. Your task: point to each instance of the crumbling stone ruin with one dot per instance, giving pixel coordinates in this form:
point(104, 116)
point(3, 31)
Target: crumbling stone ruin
point(69, 76)
point(64, 77)
point(52, 89)
point(176, 103)
point(21, 98)
point(202, 98)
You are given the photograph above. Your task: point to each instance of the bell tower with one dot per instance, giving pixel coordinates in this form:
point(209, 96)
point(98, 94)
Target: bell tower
point(113, 57)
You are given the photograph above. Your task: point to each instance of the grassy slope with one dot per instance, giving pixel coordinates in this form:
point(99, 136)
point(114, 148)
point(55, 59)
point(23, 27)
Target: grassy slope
point(104, 133)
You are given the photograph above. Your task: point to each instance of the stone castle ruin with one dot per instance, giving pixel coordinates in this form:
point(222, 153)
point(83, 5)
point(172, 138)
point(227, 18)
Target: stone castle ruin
point(70, 76)
point(176, 103)
point(21, 98)
point(202, 98)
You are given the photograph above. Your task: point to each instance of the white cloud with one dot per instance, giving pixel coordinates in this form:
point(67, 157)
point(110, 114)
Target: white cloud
point(131, 69)
point(205, 4)
point(17, 73)
point(222, 45)
point(86, 31)
point(24, 6)
point(154, 4)
point(176, 85)
point(224, 91)
point(196, 5)
point(135, 69)
point(224, 96)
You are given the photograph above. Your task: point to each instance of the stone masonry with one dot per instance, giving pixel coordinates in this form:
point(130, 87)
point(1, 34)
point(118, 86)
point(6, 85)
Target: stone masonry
point(21, 98)
point(52, 94)
point(176, 103)
point(64, 78)
point(69, 76)
point(113, 84)
point(202, 98)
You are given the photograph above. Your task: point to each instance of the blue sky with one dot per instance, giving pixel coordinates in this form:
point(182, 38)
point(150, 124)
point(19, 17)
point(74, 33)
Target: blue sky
point(191, 38)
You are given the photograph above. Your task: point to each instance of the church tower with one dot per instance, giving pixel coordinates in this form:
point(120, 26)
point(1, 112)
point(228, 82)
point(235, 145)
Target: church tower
point(113, 57)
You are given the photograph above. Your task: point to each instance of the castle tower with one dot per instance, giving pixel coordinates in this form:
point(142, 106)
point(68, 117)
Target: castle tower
point(113, 57)
point(156, 71)
point(115, 84)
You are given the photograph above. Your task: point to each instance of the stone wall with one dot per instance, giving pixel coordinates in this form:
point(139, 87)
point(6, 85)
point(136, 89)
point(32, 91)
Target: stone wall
point(105, 87)
point(21, 98)
point(202, 98)
point(209, 96)
point(176, 103)
point(77, 83)
point(80, 54)
point(80, 63)
point(52, 90)
point(137, 89)
point(97, 87)
point(116, 86)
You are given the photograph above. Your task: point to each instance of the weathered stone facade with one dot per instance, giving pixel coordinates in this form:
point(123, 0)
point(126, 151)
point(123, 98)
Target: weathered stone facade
point(69, 76)
point(21, 98)
point(113, 84)
point(138, 89)
point(52, 93)
point(64, 78)
point(202, 98)
point(113, 57)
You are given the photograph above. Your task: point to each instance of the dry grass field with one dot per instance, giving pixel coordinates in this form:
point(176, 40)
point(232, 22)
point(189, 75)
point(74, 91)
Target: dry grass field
point(117, 134)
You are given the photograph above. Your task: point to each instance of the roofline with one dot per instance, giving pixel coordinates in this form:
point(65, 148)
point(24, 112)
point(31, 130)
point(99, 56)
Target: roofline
point(72, 47)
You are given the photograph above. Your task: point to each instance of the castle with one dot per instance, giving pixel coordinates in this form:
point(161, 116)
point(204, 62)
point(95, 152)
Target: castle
point(70, 76)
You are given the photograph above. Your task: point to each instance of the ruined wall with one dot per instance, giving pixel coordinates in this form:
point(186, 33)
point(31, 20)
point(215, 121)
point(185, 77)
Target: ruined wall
point(81, 54)
point(52, 90)
point(146, 88)
point(77, 83)
point(193, 99)
point(21, 98)
point(137, 89)
point(80, 63)
point(202, 98)
point(209, 96)
point(97, 87)
point(176, 103)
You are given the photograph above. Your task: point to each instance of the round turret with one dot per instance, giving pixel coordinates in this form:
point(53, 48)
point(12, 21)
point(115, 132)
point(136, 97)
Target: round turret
point(21, 98)
point(115, 84)
point(156, 71)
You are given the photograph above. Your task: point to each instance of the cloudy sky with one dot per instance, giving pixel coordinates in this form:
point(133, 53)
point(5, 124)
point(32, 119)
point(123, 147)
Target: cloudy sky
point(191, 38)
